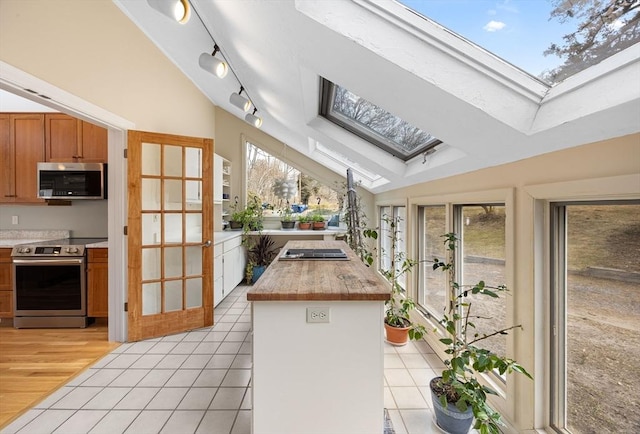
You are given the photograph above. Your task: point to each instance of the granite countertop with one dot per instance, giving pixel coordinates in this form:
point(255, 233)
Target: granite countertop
point(100, 245)
point(319, 280)
point(10, 238)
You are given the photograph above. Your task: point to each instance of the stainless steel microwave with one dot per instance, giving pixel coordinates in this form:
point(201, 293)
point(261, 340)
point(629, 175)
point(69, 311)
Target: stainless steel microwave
point(72, 180)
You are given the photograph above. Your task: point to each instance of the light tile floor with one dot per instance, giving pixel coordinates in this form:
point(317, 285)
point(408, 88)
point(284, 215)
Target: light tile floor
point(200, 382)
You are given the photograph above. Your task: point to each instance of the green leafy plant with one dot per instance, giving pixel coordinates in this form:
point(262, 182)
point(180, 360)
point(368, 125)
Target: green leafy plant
point(286, 215)
point(459, 383)
point(317, 218)
point(262, 252)
point(398, 308)
point(303, 219)
point(250, 218)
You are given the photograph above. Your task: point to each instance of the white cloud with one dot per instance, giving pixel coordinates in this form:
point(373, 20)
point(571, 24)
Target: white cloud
point(494, 26)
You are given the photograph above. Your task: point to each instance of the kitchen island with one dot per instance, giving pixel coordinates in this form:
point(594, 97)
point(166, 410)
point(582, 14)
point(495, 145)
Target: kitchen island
point(318, 345)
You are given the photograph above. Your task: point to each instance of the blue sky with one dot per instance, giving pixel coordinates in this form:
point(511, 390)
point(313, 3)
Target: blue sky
point(516, 30)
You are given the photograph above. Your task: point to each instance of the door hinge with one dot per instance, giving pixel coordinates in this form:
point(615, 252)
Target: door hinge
point(126, 306)
point(125, 152)
point(125, 230)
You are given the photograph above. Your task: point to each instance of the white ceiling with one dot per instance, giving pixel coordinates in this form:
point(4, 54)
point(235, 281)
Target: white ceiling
point(486, 111)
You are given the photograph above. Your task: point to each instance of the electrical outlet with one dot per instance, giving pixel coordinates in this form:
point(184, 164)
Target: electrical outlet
point(318, 314)
point(14, 220)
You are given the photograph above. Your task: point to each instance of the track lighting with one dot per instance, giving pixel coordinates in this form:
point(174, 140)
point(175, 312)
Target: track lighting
point(178, 10)
point(212, 64)
point(253, 119)
point(240, 101)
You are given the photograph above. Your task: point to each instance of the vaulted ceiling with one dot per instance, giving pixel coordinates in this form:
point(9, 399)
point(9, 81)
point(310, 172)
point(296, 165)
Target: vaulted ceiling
point(485, 111)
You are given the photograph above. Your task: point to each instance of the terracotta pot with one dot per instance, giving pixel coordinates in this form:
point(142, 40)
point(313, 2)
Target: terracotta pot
point(397, 335)
point(304, 225)
point(318, 226)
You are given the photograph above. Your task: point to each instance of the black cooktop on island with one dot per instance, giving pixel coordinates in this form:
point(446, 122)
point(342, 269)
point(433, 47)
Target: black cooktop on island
point(315, 255)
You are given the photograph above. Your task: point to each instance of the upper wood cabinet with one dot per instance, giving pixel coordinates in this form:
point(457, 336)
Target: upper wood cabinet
point(21, 148)
point(72, 140)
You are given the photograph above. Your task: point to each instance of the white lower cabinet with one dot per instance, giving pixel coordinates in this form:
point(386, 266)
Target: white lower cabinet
point(229, 263)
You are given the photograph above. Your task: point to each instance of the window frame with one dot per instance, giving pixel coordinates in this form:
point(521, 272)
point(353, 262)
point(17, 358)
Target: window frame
point(558, 306)
point(327, 96)
point(401, 243)
point(505, 197)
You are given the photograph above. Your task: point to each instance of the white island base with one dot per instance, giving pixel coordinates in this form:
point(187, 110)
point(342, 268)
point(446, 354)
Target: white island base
point(318, 378)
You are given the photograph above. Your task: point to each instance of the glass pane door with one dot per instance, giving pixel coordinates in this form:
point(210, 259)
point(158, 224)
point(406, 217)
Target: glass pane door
point(174, 190)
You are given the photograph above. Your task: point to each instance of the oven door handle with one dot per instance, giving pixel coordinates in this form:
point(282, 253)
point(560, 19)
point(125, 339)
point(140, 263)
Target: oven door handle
point(52, 261)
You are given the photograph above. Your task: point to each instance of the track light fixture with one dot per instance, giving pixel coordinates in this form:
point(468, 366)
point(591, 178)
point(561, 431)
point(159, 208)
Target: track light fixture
point(240, 101)
point(210, 63)
point(178, 10)
point(253, 119)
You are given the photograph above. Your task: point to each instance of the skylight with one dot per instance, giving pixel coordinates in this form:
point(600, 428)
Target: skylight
point(550, 40)
point(373, 123)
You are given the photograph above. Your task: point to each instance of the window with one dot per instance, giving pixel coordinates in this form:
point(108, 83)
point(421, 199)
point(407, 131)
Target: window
point(277, 185)
point(596, 317)
point(373, 123)
point(432, 287)
point(388, 215)
point(481, 229)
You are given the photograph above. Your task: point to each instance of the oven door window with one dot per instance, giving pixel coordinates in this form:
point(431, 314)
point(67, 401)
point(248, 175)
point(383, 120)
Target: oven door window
point(49, 287)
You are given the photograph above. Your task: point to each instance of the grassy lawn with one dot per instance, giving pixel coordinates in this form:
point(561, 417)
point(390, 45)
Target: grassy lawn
point(599, 235)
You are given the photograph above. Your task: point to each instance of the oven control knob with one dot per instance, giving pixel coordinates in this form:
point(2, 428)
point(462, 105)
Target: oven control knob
point(72, 250)
point(24, 250)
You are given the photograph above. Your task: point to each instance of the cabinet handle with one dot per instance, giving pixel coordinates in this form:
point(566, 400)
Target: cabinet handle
point(10, 195)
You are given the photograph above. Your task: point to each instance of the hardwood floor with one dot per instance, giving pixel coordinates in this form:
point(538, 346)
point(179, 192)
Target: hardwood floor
point(36, 362)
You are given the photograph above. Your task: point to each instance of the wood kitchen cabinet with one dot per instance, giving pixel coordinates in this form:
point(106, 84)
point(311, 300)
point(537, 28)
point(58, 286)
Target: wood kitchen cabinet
point(21, 148)
point(72, 140)
point(6, 284)
point(98, 282)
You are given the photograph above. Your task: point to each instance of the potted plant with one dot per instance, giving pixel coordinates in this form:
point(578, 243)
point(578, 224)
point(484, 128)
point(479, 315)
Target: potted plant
point(397, 322)
point(458, 389)
point(249, 218)
point(318, 222)
point(260, 256)
point(286, 218)
point(304, 223)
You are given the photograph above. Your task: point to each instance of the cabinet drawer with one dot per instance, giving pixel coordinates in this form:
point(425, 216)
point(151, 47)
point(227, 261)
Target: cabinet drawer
point(232, 244)
point(98, 255)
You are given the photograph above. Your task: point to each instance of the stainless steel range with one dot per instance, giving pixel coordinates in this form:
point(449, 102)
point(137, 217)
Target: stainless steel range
point(50, 283)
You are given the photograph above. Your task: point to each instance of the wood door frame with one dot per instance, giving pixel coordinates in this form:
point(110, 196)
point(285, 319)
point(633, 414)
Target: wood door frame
point(147, 326)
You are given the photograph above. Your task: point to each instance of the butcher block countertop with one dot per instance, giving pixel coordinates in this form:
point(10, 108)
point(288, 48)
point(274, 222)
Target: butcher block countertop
point(319, 280)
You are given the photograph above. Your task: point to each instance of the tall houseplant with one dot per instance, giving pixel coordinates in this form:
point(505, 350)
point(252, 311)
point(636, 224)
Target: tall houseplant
point(398, 325)
point(458, 389)
point(261, 253)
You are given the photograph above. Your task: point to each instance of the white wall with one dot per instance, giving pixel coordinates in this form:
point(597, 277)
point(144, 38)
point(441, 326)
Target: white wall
point(84, 218)
point(93, 51)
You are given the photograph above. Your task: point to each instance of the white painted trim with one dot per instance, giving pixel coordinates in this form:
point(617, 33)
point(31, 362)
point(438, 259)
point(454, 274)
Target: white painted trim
point(17, 81)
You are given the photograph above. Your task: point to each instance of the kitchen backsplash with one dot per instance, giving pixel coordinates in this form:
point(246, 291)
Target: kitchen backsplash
point(86, 218)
